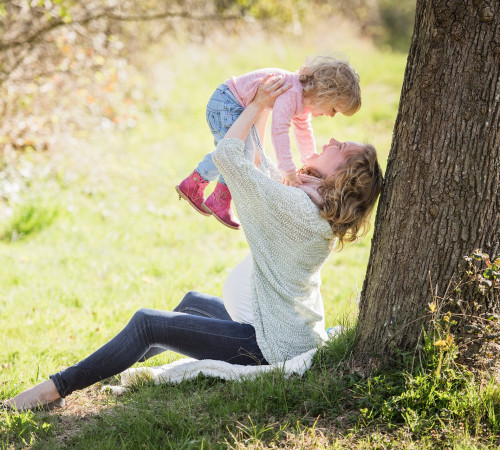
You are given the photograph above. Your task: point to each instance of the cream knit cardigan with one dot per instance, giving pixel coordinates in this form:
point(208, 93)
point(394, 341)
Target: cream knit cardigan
point(290, 243)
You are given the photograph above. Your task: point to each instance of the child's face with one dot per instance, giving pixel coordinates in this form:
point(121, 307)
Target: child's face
point(333, 156)
point(320, 110)
point(317, 109)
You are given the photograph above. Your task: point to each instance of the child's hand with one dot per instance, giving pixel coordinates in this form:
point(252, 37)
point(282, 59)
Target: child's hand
point(291, 180)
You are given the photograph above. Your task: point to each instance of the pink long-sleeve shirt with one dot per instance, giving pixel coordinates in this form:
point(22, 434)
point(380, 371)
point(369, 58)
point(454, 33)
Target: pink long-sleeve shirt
point(288, 109)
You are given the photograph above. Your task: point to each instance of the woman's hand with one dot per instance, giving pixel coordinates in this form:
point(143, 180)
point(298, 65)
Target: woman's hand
point(269, 89)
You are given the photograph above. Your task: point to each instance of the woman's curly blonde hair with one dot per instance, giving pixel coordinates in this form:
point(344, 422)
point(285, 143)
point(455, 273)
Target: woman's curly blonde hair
point(350, 194)
point(331, 82)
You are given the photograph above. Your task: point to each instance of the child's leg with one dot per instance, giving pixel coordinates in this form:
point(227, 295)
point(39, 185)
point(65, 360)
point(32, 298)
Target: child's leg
point(207, 169)
point(219, 202)
point(222, 111)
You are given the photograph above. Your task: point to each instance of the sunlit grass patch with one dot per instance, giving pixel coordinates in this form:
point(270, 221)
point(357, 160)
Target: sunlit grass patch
point(30, 217)
point(25, 428)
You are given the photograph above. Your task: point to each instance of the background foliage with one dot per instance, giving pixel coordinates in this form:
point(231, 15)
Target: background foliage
point(66, 65)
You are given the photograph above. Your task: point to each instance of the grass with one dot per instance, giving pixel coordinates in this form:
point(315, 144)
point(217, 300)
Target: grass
point(102, 234)
point(30, 217)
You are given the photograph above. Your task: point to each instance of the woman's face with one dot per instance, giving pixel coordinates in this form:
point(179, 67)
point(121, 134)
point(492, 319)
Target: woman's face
point(333, 156)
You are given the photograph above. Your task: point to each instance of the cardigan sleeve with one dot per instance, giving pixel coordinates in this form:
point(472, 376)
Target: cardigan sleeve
point(274, 172)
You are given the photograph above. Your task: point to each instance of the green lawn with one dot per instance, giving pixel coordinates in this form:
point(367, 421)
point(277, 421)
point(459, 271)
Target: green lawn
point(106, 235)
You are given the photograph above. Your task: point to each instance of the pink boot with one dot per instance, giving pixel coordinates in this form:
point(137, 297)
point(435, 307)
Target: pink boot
point(218, 204)
point(192, 189)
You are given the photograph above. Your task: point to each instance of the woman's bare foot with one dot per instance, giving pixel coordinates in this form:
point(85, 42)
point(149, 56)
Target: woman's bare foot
point(38, 396)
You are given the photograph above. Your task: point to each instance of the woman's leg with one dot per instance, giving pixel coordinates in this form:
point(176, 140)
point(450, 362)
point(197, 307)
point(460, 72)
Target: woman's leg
point(195, 336)
point(200, 328)
point(41, 394)
point(196, 304)
point(204, 305)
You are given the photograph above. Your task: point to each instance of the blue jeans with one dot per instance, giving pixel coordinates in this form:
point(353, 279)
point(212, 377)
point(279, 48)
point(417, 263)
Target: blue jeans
point(222, 111)
point(199, 327)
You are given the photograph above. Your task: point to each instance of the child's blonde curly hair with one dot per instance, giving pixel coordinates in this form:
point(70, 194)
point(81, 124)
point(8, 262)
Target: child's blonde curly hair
point(331, 82)
point(350, 194)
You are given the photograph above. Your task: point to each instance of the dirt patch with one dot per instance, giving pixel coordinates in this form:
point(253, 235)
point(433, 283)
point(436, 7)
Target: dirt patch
point(82, 409)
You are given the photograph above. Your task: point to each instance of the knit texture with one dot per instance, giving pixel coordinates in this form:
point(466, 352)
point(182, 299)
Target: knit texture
point(288, 110)
point(290, 243)
point(310, 185)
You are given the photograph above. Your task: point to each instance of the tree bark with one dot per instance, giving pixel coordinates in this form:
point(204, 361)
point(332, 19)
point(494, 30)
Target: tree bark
point(440, 199)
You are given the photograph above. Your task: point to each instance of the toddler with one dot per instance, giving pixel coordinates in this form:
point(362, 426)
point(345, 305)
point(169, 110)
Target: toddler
point(322, 86)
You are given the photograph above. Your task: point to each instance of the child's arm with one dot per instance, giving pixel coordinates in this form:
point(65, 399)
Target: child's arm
point(283, 112)
point(260, 125)
point(304, 136)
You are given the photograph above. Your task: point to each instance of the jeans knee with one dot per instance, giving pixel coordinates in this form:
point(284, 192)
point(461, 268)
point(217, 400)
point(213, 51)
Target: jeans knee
point(140, 315)
point(186, 300)
point(189, 295)
point(141, 324)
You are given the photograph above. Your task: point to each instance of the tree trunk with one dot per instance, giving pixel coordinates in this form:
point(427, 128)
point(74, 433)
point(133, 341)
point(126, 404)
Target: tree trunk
point(440, 199)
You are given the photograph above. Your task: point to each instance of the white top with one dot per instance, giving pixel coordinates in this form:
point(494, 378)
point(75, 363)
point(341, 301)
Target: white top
point(237, 292)
point(290, 243)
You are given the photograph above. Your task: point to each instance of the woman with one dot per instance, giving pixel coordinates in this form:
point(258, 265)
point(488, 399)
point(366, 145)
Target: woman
point(272, 308)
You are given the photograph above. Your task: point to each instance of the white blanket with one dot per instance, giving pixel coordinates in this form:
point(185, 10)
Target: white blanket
point(187, 368)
